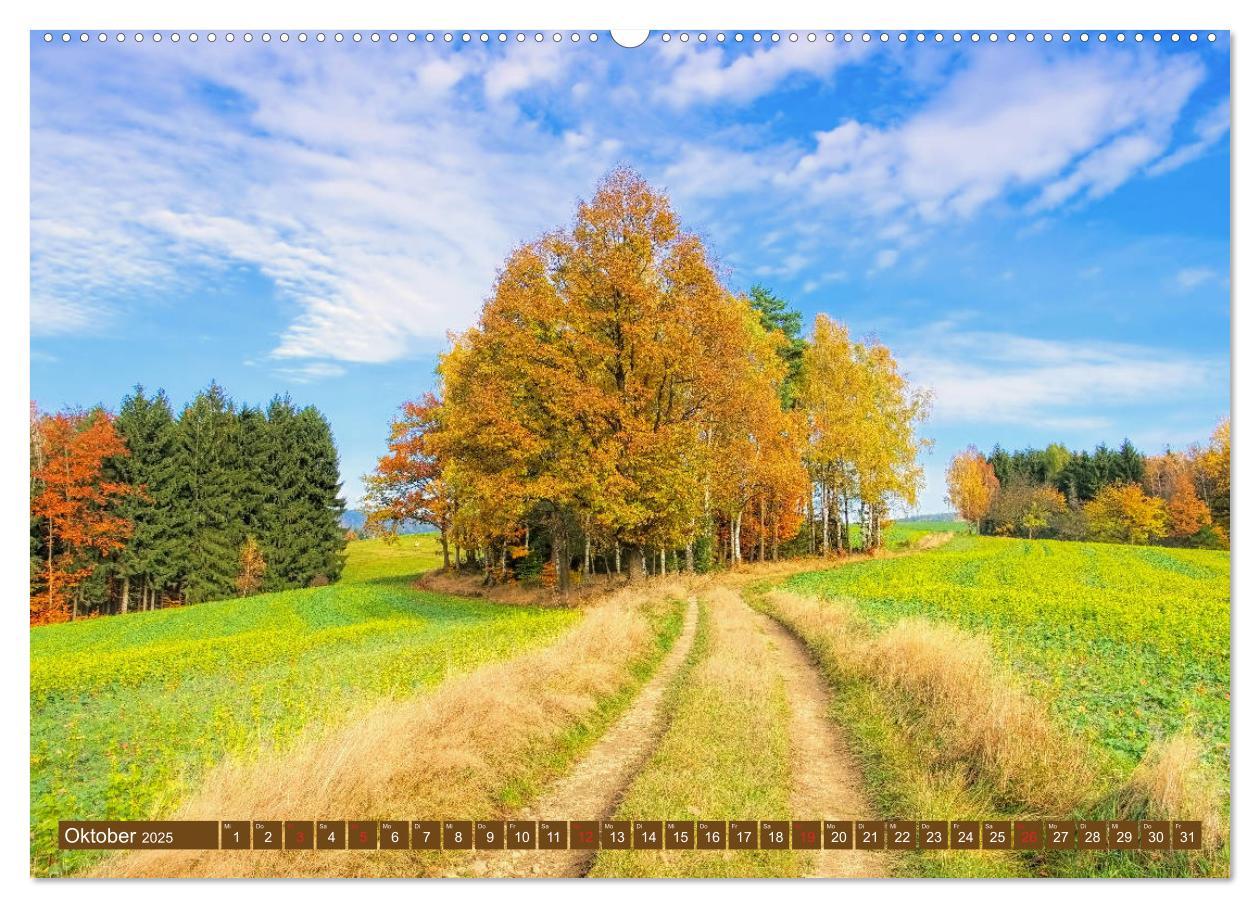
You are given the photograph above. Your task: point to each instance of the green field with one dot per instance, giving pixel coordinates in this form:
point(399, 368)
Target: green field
point(128, 712)
point(904, 533)
point(1127, 643)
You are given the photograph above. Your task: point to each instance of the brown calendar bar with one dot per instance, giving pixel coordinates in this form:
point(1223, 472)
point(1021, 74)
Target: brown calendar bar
point(637, 835)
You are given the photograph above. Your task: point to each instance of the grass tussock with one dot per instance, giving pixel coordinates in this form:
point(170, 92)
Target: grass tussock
point(506, 726)
point(1172, 782)
point(726, 753)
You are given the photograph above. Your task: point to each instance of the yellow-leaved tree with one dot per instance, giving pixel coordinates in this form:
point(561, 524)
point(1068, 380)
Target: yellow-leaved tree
point(863, 445)
point(971, 485)
point(1122, 512)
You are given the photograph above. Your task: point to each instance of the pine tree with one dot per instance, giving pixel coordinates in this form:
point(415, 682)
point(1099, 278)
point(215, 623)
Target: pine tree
point(776, 315)
point(255, 470)
point(301, 533)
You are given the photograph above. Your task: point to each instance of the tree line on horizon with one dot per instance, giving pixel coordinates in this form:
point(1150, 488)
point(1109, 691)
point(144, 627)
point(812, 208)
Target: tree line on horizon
point(146, 508)
point(615, 409)
point(1178, 498)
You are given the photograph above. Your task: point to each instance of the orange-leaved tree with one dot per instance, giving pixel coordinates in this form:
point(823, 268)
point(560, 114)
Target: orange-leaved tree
point(971, 485)
point(72, 498)
point(579, 400)
point(253, 568)
point(407, 486)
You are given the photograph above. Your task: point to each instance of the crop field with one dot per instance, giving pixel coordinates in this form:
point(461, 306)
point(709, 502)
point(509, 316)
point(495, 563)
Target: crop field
point(1127, 644)
point(128, 712)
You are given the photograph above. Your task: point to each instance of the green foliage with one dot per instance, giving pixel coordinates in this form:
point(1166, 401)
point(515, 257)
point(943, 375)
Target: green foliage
point(208, 480)
point(210, 485)
point(128, 713)
point(1079, 475)
point(777, 315)
point(1127, 643)
point(157, 545)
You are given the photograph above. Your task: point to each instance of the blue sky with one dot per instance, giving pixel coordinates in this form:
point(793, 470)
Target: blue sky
point(1040, 231)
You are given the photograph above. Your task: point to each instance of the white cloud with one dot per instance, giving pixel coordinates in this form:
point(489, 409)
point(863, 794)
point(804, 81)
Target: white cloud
point(524, 66)
point(1209, 129)
point(700, 75)
point(983, 377)
point(306, 373)
point(1190, 278)
point(379, 189)
point(369, 191)
point(885, 258)
point(1060, 126)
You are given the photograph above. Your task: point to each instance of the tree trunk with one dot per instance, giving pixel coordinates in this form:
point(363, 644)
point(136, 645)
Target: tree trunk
point(838, 516)
point(446, 552)
point(761, 539)
point(691, 557)
point(126, 595)
point(617, 556)
point(826, 523)
point(809, 507)
point(560, 551)
point(848, 531)
point(635, 567)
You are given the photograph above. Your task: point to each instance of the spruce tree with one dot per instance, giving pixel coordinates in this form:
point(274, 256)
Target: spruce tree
point(210, 479)
point(776, 315)
point(321, 503)
point(255, 470)
point(157, 548)
point(301, 535)
point(278, 532)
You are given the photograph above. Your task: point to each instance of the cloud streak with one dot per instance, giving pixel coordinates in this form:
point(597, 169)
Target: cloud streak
point(985, 377)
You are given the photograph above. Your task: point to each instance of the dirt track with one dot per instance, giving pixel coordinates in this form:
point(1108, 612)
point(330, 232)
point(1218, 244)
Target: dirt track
point(592, 788)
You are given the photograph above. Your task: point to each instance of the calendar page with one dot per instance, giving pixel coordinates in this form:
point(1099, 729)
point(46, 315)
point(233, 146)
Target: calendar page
point(572, 453)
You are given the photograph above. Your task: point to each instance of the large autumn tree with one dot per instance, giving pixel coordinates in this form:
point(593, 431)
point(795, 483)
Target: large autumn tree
point(74, 524)
point(581, 396)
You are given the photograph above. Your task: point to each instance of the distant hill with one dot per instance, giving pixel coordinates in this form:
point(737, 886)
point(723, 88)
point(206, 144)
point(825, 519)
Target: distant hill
point(944, 516)
point(354, 519)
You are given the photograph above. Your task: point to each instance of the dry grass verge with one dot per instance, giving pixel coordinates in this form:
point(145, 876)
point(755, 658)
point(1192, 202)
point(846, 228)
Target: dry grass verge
point(978, 734)
point(975, 709)
point(451, 753)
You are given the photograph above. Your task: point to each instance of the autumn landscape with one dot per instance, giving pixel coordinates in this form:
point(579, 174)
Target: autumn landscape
point(717, 430)
point(662, 578)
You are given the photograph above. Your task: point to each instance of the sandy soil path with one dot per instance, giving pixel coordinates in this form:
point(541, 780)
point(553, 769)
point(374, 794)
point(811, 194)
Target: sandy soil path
point(826, 781)
point(592, 789)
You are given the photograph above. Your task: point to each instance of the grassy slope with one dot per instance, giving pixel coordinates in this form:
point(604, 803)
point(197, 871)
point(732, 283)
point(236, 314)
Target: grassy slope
point(1125, 644)
point(128, 712)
